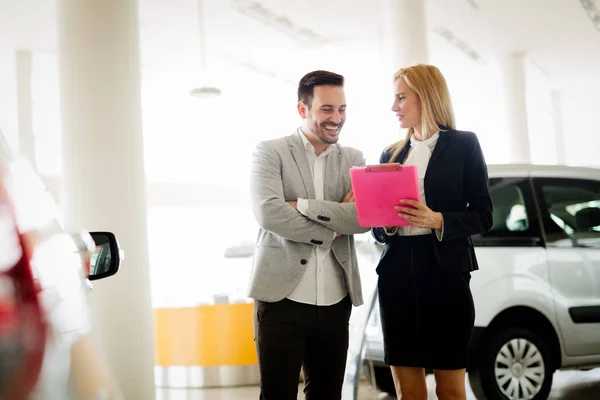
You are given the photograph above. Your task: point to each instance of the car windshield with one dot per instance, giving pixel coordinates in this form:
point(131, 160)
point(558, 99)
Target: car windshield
point(576, 210)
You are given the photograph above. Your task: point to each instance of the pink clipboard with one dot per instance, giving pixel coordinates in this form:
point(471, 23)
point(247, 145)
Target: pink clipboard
point(379, 188)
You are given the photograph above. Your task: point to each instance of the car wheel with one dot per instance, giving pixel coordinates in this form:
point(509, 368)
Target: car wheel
point(513, 364)
point(384, 380)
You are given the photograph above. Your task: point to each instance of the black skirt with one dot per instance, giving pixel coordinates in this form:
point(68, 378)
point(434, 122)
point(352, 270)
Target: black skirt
point(427, 313)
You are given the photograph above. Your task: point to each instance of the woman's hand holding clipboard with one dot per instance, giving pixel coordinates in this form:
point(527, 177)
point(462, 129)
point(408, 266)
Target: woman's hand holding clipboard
point(389, 195)
point(419, 215)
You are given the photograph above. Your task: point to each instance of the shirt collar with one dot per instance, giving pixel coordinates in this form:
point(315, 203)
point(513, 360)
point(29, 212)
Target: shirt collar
point(309, 147)
point(430, 142)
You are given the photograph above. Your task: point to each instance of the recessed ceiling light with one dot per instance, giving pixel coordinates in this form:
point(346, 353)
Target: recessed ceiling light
point(205, 92)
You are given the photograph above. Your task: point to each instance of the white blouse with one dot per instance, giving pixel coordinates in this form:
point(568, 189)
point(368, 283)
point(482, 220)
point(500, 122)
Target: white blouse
point(418, 155)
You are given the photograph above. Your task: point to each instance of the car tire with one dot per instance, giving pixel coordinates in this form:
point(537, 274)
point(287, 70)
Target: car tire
point(384, 380)
point(523, 361)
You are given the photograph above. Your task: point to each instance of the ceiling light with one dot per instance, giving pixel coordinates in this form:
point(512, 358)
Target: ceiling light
point(254, 9)
point(458, 43)
point(592, 10)
point(203, 91)
point(473, 4)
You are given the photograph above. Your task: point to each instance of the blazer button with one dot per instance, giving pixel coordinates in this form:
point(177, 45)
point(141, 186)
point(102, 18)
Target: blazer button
point(303, 261)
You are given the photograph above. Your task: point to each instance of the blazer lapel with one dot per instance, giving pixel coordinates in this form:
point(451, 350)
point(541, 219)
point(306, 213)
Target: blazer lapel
point(332, 174)
point(299, 154)
point(439, 148)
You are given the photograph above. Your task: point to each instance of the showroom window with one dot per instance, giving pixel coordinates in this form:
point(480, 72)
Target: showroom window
point(571, 211)
point(514, 218)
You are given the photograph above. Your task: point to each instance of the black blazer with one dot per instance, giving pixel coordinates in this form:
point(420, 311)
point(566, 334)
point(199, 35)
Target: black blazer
point(456, 184)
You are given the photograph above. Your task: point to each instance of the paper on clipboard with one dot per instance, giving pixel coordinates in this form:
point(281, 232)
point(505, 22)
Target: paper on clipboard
point(379, 188)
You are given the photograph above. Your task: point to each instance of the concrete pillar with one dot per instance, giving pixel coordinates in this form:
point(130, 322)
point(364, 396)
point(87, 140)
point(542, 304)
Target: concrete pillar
point(406, 33)
point(9, 122)
point(559, 133)
point(515, 101)
point(23, 64)
point(104, 186)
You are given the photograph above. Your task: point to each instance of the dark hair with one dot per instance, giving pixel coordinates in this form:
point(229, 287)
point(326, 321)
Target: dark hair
point(306, 87)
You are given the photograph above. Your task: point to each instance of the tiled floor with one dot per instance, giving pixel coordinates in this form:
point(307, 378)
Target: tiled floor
point(568, 385)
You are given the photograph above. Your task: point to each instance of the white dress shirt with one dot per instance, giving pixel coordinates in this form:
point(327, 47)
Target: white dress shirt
point(323, 281)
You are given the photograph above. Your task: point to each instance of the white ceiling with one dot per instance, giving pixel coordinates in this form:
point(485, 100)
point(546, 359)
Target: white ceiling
point(556, 34)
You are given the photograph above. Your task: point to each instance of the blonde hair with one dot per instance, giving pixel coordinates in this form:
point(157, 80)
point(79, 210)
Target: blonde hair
point(436, 107)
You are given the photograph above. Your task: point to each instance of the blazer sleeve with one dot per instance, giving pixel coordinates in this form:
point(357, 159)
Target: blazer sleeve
point(338, 217)
point(379, 232)
point(271, 210)
point(477, 218)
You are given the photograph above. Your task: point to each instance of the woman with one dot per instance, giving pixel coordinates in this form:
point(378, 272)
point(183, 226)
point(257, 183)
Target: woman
point(427, 311)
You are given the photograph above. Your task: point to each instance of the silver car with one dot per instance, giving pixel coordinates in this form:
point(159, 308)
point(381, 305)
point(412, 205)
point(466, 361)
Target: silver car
point(537, 293)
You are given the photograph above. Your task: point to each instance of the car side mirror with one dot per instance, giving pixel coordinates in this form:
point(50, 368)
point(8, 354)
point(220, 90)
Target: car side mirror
point(105, 261)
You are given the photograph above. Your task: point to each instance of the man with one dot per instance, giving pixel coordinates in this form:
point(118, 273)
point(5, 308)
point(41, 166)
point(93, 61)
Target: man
point(305, 276)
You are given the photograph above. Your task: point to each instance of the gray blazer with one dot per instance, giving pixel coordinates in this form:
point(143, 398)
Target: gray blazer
point(281, 173)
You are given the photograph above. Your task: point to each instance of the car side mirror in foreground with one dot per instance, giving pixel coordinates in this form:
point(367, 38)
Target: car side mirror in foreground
point(105, 261)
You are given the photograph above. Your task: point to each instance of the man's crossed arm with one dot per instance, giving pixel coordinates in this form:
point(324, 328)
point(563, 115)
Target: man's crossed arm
point(339, 217)
point(322, 220)
point(272, 212)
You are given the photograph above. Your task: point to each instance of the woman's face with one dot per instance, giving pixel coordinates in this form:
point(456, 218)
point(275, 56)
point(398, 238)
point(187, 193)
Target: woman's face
point(407, 105)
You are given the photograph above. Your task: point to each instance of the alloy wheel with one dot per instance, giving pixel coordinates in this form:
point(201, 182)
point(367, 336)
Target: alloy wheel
point(519, 369)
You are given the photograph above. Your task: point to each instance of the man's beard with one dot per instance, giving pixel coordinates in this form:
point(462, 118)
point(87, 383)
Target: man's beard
point(321, 132)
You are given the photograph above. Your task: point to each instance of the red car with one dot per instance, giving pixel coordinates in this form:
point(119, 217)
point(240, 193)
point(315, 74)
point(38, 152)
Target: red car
point(46, 351)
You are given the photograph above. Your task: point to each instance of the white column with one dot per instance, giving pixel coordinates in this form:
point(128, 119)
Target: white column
point(406, 33)
point(515, 101)
point(23, 61)
point(104, 186)
point(9, 123)
point(559, 133)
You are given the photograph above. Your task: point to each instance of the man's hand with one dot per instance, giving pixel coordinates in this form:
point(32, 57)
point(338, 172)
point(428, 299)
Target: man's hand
point(349, 198)
point(420, 216)
point(293, 204)
point(337, 234)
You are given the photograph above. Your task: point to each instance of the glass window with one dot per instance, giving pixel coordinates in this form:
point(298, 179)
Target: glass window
point(571, 211)
point(513, 218)
point(509, 213)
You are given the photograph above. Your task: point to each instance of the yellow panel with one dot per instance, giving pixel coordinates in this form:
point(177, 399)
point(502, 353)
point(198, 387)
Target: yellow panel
point(207, 336)
point(236, 334)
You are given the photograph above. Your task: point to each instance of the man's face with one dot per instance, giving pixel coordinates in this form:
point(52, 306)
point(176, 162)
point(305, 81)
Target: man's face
point(327, 113)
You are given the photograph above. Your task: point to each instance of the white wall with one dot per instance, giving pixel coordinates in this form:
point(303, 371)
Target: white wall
point(8, 97)
point(581, 121)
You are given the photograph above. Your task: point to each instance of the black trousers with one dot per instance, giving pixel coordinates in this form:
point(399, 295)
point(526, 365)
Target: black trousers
point(291, 335)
